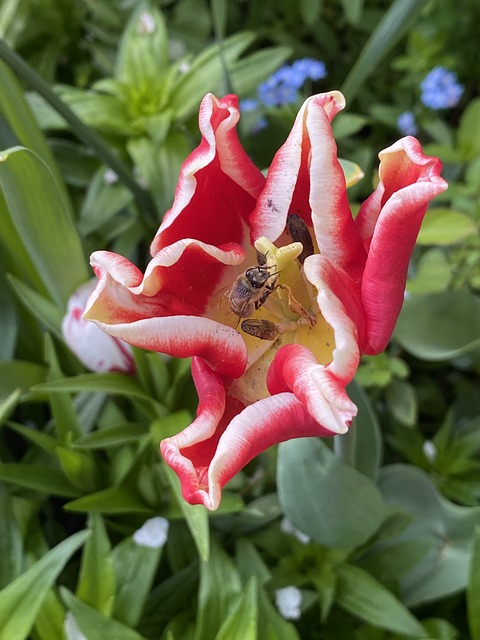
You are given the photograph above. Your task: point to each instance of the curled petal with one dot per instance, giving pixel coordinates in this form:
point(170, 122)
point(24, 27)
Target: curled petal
point(296, 369)
point(389, 222)
point(306, 178)
point(205, 467)
point(218, 183)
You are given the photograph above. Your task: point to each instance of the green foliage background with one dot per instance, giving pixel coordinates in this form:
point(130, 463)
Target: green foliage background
point(392, 511)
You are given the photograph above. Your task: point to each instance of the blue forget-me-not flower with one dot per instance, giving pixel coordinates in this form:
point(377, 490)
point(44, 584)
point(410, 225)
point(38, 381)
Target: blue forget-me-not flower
point(441, 89)
point(406, 123)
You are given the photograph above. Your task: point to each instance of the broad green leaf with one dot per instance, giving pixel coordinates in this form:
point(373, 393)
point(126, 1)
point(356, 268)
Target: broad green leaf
point(363, 596)
point(392, 27)
point(310, 10)
point(47, 313)
point(111, 500)
point(241, 623)
point(445, 227)
point(16, 111)
point(348, 124)
point(368, 446)
point(250, 563)
point(21, 600)
point(10, 540)
point(135, 569)
point(449, 528)
point(433, 274)
point(196, 515)
point(102, 202)
point(325, 498)
point(473, 588)
point(402, 402)
point(41, 216)
point(50, 618)
point(96, 580)
point(219, 587)
point(18, 374)
point(93, 624)
point(468, 132)
point(39, 478)
point(440, 327)
point(352, 10)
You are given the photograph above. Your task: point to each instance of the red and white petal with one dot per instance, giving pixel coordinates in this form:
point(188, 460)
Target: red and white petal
point(323, 395)
point(409, 181)
point(306, 178)
point(338, 298)
point(204, 469)
point(218, 183)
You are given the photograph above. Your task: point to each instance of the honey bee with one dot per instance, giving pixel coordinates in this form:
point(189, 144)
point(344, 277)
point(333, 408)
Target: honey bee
point(251, 289)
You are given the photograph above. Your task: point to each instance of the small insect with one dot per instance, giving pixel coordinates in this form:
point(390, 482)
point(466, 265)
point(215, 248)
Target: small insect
point(299, 232)
point(251, 289)
point(263, 329)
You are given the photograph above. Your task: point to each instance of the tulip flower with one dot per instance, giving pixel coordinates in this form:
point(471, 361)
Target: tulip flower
point(270, 284)
point(95, 349)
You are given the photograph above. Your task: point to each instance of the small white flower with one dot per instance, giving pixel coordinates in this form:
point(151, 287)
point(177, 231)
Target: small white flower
point(70, 627)
point(184, 66)
point(153, 533)
point(287, 527)
point(289, 602)
point(110, 177)
point(146, 24)
point(429, 450)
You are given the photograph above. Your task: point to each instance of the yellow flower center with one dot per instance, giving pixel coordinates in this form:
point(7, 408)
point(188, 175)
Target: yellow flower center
point(272, 304)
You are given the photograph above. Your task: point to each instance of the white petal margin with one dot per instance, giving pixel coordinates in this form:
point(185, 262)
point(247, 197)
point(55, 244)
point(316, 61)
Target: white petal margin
point(153, 533)
point(253, 430)
point(289, 602)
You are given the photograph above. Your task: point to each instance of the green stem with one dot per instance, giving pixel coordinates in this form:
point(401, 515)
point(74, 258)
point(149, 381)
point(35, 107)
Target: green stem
point(85, 133)
point(344, 446)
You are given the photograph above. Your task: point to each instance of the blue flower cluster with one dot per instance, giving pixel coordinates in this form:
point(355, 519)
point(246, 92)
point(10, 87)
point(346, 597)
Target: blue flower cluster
point(283, 85)
point(441, 89)
point(406, 123)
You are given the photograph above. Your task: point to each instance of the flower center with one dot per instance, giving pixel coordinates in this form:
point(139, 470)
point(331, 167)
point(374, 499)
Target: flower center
point(274, 304)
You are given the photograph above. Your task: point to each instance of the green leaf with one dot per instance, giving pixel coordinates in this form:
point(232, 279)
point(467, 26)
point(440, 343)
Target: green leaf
point(10, 540)
point(325, 498)
point(8, 322)
point(21, 600)
point(18, 374)
point(395, 22)
point(79, 469)
point(368, 446)
point(219, 587)
point(473, 589)
point(48, 314)
point(29, 187)
point(402, 402)
point(112, 437)
point(96, 580)
point(468, 133)
point(205, 71)
point(351, 171)
point(440, 327)
point(271, 624)
point(43, 440)
point(112, 500)
point(361, 595)
point(93, 624)
point(142, 57)
point(102, 202)
point(310, 10)
point(352, 10)
point(433, 274)
point(247, 73)
point(50, 618)
point(196, 515)
point(135, 569)
point(348, 124)
point(7, 406)
point(40, 478)
point(445, 227)
point(241, 623)
point(449, 528)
